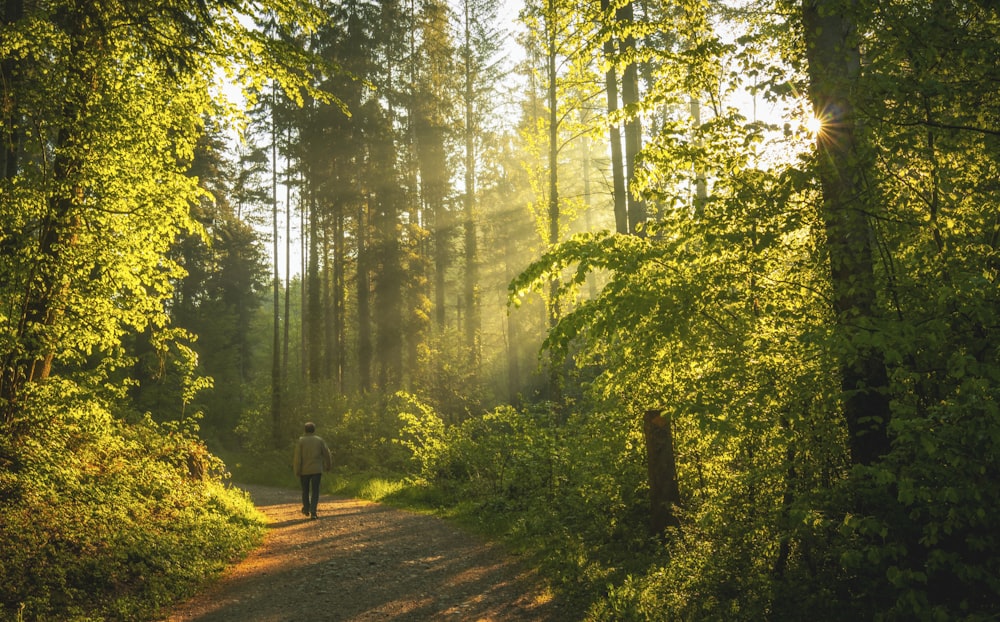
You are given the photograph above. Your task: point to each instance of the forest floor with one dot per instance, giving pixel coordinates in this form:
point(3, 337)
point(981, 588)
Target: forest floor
point(362, 561)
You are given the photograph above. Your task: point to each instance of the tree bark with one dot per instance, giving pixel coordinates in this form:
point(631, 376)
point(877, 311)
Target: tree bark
point(13, 11)
point(614, 132)
point(288, 278)
point(834, 65)
point(364, 300)
point(555, 376)
point(314, 309)
point(338, 314)
point(472, 317)
point(276, 342)
point(664, 492)
point(633, 127)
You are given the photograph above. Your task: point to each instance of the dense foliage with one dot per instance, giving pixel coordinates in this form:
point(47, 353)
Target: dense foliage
point(812, 307)
point(771, 226)
point(104, 513)
point(114, 519)
point(796, 312)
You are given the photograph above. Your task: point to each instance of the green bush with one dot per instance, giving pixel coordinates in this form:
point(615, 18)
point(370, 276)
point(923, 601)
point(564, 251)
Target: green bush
point(112, 520)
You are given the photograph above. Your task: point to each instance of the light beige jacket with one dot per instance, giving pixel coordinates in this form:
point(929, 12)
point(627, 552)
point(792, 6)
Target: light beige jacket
point(311, 456)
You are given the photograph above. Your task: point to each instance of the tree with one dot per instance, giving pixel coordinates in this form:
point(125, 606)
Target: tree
point(225, 273)
point(76, 194)
point(633, 124)
point(480, 45)
point(834, 64)
point(614, 128)
point(814, 315)
point(550, 46)
point(433, 101)
point(92, 202)
point(276, 374)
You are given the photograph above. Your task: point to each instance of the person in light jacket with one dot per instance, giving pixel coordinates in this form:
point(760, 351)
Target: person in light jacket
point(312, 459)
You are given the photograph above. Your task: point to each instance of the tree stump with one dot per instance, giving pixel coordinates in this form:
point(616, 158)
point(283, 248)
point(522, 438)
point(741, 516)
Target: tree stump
point(664, 491)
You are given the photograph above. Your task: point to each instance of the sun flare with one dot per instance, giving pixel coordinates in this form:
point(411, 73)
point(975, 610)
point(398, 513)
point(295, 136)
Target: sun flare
point(813, 125)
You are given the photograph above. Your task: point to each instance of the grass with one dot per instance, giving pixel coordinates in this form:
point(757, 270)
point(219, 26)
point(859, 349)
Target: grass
point(273, 468)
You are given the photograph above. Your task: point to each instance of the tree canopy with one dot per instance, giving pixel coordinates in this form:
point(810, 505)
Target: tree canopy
point(743, 254)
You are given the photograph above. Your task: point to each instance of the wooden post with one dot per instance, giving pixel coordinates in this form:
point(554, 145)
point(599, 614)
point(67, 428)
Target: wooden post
point(664, 492)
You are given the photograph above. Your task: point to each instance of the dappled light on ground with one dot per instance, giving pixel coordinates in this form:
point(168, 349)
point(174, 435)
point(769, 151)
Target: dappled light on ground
point(361, 561)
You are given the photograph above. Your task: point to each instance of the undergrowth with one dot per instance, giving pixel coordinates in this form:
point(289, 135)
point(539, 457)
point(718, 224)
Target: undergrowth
point(108, 520)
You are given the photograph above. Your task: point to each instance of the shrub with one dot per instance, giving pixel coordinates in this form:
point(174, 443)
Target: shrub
point(112, 520)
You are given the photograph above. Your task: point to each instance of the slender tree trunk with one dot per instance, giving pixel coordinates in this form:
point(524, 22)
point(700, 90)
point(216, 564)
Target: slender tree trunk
point(388, 293)
point(364, 301)
point(288, 279)
point(555, 376)
point(472, 318)
point(314, 304)
point(329, 305)
point(614, 133)
point(305, 214)
point(513, 349)
point(787, 500)
point(700, 183)
point(10, 132)
point(588, 209)
point(388, 353)
point(416, 285)
point(339, 291)
point(834, 65)
point(633, 127)
point(276, 345)
point(440, 228)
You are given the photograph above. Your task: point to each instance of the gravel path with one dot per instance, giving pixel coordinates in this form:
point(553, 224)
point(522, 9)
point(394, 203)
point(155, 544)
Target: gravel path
point(362, 561)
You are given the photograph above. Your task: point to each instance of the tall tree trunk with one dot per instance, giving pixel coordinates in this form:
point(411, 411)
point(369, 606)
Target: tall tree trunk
point(276, 343)
point(314, 292)
point(700, 183)
point(388, 206)
point(633, 127)
point(338, 320)
point(288, 279)
point(364, 299)
point(388, 292)
point(441, 236)
point(305, 214)
point(614, 131)
point(555, 376)
point(588, 203)
point(834, 65)
point(329, 304)
point(10, 131)
point(472, 317)
point(416, 286)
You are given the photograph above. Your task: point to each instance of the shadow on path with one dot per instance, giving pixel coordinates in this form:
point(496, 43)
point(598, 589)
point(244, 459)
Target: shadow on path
point(361, 561)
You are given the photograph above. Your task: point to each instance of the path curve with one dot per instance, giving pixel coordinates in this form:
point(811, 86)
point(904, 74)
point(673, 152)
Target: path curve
point(363, 561)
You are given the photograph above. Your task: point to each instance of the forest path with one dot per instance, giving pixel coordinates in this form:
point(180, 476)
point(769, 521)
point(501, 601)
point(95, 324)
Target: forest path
point(362, 561)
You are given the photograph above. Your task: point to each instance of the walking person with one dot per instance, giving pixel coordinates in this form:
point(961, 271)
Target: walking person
point(312, 459)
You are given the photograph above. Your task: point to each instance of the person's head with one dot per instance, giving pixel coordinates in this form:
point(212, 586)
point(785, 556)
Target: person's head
point(310, 427)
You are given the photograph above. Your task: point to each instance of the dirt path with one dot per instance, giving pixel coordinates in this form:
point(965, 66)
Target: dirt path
point(361, 561)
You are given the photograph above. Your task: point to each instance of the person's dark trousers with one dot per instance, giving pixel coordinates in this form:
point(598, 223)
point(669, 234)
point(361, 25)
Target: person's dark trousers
point(310, 493)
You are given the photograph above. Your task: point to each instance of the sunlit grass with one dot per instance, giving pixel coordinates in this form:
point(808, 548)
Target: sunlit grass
point(368, 486)
point(378, 489)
